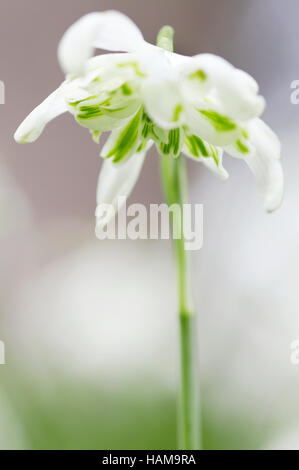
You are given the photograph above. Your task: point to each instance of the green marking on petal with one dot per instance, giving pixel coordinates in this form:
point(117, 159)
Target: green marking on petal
point(119, 103)
point(215, 154)
point(89, 109)
point(126, 140)
point(96, 136)
point(159, 134)
point(242, 147)
point(173, 145)
point(141, 147)
point(135, 67)
point(145, 130)
point(90, 112)
point(191, 145)
point(146, 126)
point(177, 112)
point(199, 148)
point(198, 75)
point(126, 89)
point(219, 122)
point(245, 134)
point(74, 104)
point(108, 111)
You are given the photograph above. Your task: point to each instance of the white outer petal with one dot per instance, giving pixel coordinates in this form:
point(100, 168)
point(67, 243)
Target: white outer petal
point(265, 163)
point(109, 30)
point(161, 97)
point(116, 181)
point(236, 90)
point(33, 125)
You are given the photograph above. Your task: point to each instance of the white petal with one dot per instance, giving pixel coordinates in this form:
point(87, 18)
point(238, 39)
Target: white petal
point(163, 102)
point(101, 124)
point(220, 134)
point(116, 181)
point(241, 148)
point(178, 61)
point(109, 30)
point(236, 90)
point(32, 127)
point(112, 70)
point(219, 170)
point(91, 113)
point(210, 162)
point(265, 164)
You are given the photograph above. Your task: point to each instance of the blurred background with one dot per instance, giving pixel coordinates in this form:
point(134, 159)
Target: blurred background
point(90, 326)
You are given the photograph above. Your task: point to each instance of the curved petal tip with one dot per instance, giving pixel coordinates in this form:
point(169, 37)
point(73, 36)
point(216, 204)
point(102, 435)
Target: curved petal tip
point(110, 30)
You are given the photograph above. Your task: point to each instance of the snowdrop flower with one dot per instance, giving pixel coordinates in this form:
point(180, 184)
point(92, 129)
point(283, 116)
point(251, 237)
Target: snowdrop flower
point(200, 105)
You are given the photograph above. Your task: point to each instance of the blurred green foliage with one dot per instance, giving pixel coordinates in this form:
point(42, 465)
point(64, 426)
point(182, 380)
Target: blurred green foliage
point(64, 413)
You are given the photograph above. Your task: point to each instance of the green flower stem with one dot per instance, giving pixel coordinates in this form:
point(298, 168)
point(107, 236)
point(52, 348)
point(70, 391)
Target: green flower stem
point(174, 177)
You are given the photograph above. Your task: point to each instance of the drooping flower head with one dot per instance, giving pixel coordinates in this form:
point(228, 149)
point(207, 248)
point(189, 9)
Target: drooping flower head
point(199, 106)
